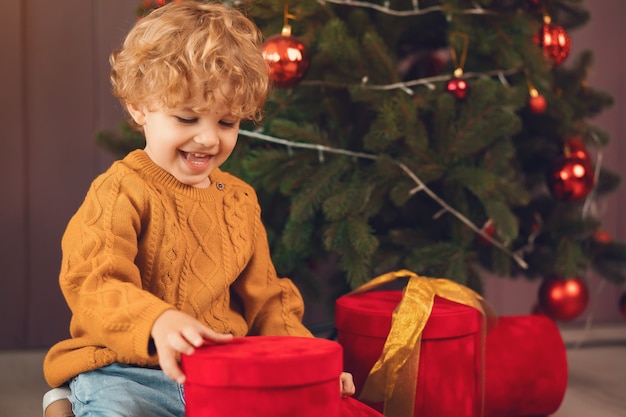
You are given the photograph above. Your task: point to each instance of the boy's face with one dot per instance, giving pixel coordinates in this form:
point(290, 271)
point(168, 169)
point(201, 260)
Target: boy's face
point(188, 144)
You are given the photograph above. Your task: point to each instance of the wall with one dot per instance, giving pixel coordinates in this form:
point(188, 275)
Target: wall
point(55, 96)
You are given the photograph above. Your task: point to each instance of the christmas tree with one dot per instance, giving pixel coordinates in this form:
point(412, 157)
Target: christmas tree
point(440, 136)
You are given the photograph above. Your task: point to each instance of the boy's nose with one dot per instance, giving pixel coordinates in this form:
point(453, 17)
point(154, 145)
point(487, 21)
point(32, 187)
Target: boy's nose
point(206, 139)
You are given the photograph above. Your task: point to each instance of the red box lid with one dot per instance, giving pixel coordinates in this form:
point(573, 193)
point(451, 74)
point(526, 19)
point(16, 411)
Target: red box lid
point(369, 314)
point(265, 361)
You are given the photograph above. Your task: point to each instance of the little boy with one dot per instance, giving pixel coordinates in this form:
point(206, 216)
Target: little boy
point(167, 251)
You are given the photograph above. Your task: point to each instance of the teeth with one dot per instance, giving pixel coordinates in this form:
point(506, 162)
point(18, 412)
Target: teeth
point(195, 155)
point(190, 155)
point(196, 158)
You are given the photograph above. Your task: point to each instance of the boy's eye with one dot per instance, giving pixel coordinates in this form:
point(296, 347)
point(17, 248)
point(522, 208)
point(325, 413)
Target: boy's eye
point(228, 124)
point(186, 120)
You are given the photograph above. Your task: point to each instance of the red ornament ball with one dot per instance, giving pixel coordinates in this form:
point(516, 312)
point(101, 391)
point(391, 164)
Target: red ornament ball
point(555, 42)
point(563, 298)
point(537, 104)
point(602, 237)
point(458, 87)
point(622, 305)
point(571, 178)
point(287, 58)
point(576, 147)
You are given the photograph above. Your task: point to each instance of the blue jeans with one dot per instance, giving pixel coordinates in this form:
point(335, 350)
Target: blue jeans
point(121, 390)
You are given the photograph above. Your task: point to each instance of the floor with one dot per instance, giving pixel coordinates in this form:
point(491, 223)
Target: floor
point(596, 387)
point(597, 371)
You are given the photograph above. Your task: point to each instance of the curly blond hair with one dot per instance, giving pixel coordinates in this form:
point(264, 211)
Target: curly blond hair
point(188, 48)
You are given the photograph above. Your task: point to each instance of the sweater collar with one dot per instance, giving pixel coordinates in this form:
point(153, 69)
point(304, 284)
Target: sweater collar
point(140, 161)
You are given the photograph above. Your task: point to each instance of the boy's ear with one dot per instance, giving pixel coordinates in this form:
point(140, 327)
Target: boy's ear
point(137, 113)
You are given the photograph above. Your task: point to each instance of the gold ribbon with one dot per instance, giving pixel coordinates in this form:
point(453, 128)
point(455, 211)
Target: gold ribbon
point(393, 378)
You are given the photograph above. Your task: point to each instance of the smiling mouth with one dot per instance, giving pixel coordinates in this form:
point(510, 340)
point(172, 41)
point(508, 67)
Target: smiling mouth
point(196, 158)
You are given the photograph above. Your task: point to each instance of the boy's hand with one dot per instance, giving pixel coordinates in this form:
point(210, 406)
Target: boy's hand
point(347, 385)
point(175, 332)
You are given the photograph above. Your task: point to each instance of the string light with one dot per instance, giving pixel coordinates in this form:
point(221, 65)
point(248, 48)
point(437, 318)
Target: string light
point(590, 200)
point(415, 12)
point(405, 86)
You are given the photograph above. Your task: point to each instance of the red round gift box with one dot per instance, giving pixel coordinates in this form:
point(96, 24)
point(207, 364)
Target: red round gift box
point(259, 376)
point(525, 367)
point(450, 369)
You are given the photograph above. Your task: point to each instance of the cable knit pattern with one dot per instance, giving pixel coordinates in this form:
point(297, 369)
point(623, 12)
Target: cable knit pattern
point(237, 209)
point(142, 243)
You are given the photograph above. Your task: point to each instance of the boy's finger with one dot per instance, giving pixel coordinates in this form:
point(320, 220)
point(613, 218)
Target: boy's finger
point(170, 367)
point(347, 385)
point(213, 336)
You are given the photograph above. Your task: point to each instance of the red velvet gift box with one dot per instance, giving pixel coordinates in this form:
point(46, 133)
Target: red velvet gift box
point(523, 371)
point(450, 362)
point(525, 367)
point(263, 376)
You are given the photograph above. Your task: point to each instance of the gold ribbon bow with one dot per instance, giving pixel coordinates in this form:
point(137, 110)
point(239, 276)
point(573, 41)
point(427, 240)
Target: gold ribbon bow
point(393, 378)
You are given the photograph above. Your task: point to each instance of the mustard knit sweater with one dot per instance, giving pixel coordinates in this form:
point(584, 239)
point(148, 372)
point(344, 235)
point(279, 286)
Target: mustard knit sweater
point(142, 243)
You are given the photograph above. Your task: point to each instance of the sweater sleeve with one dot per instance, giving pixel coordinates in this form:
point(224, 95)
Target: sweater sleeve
point(99, 279)
point(271, 305)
